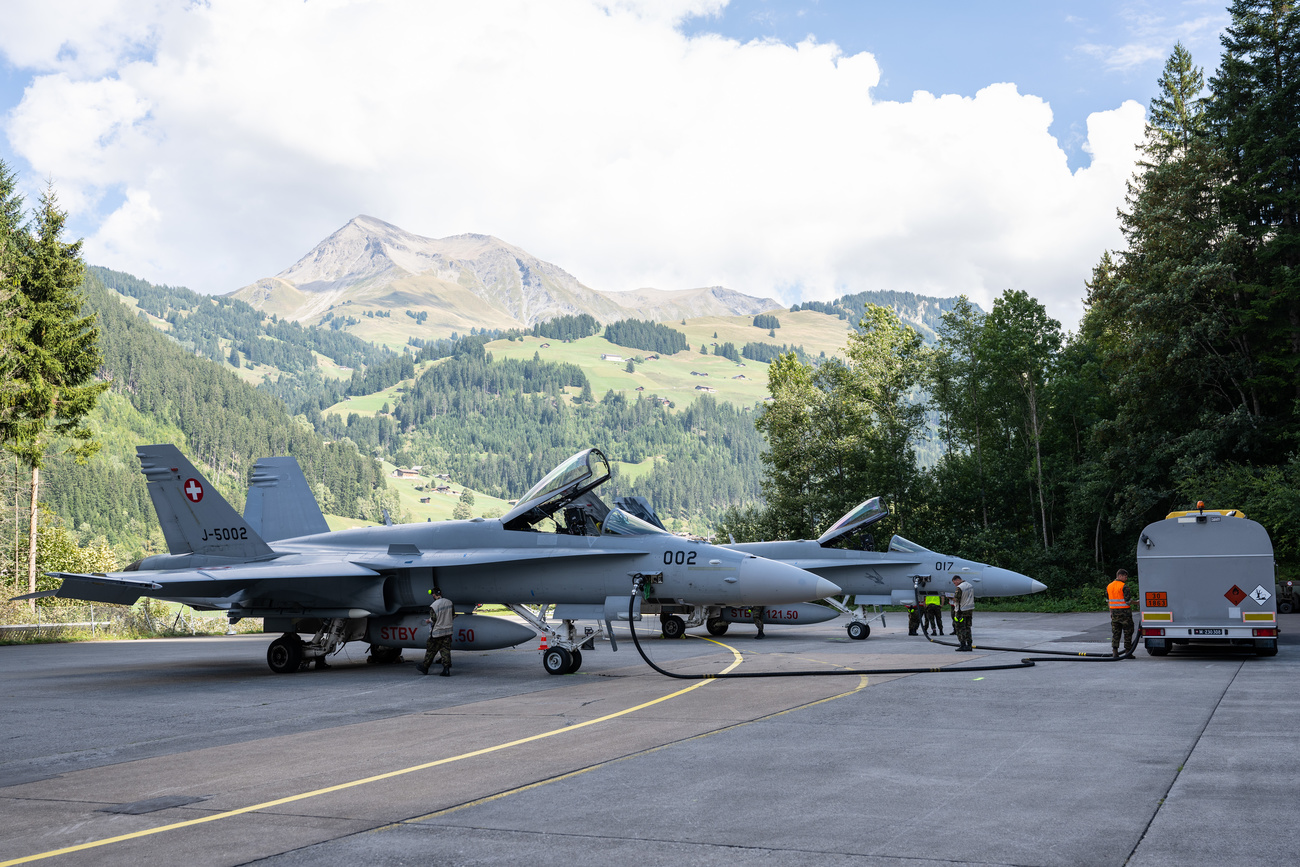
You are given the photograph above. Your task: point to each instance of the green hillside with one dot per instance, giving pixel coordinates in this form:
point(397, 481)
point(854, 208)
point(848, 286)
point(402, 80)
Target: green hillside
point(230, 383)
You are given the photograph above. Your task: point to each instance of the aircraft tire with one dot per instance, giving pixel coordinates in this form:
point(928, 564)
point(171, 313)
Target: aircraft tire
point(673, 626)
point(859, 631)
point(380, 655)
point(557, 661)
point(285, 654)
point(716, 626)
point(576, 663)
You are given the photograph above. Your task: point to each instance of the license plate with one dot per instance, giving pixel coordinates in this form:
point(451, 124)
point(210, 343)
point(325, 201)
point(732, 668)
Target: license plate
point(1209, 632)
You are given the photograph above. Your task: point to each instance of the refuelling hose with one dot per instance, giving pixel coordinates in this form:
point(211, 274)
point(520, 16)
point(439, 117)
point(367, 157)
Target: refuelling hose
point(1026, 662)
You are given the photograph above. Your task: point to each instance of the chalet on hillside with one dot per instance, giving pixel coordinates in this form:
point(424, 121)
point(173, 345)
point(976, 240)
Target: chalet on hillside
point(707, 388)
point(426, 499)
point(609, 356)
point(404, 473)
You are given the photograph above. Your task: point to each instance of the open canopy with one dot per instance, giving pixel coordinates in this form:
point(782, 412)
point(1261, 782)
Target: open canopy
point(861, 516)
point(581, 473)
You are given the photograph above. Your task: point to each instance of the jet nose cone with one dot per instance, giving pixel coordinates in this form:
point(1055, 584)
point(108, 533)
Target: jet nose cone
point(825, 588)
point(1004, 582)
point(767, 582)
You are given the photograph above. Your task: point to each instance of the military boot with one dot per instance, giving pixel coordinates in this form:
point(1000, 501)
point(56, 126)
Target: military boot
point(446, 671)
point(422, 668)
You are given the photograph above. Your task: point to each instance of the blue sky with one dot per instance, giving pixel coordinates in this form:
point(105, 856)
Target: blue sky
point(933, 147)
point(1080, 56)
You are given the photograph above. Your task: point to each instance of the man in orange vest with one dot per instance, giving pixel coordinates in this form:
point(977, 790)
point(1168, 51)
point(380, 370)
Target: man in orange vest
point(1121, 613)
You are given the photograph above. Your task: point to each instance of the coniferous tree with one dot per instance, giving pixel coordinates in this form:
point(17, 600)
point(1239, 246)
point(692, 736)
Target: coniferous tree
point(1254, 119)
point(56, 354)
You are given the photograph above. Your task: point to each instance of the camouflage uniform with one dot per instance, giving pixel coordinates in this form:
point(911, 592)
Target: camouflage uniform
point(963, 604)
point(932, 622)
point(757, 611)
point(439, 643)
point(913, 618)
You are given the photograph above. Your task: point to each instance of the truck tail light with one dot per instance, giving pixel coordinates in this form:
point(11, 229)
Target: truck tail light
point(1148, 631)
point(1264, 633)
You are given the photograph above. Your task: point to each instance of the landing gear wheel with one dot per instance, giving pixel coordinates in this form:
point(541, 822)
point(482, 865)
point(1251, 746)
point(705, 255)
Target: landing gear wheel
point(716, 626)
point(576, 662)
point(859, 631)
point(380, 655)
point(557, 661)
point(285, 654)
point(673, 626)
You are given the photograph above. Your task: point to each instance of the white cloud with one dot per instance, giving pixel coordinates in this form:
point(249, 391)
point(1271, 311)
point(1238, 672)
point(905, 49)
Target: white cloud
point(593, 134)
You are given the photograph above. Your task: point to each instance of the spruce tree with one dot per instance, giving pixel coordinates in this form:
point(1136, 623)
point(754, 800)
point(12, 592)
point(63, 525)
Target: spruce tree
point(1255, 120)
point(56, 355)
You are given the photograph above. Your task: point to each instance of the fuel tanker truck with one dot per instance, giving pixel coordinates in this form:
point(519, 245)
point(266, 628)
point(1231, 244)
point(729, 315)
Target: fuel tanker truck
point(1206, 577)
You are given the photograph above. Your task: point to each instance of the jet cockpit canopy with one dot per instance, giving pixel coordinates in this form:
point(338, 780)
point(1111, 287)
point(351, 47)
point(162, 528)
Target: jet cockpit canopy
point(578, 475)
point(861, 516)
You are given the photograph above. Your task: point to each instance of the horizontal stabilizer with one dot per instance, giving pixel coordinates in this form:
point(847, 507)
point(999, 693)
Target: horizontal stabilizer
point(103, 587)
point(280, 502)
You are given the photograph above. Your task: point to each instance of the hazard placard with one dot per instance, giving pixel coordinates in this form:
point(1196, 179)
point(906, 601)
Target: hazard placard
point(1235, 595)
point(1260, 595)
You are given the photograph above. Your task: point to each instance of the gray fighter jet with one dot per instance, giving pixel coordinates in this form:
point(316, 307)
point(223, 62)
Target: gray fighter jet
point(560, 546)
point(871, 578)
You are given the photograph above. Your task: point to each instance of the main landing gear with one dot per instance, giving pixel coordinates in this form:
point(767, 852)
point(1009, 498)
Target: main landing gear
point(289, 653)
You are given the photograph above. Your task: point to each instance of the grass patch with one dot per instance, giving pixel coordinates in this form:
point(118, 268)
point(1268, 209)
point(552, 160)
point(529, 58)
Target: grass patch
point(103, 622)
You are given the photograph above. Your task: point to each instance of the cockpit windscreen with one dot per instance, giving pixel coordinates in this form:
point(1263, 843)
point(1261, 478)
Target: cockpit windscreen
point(899, 545)
point(620, 523)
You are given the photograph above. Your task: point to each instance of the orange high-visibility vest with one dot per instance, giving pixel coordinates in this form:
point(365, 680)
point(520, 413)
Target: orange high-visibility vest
point(1115, 593)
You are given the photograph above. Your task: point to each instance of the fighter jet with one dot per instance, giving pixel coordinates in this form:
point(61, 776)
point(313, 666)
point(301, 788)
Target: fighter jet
point(560, 545)
point(870, 578)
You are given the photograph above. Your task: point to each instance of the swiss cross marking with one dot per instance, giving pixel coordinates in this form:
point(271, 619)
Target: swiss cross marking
point(1235, 595)
point(193, 490)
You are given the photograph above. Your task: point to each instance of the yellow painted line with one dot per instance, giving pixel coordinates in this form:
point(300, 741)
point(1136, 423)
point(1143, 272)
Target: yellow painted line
point(862, 684)
point(94, 844)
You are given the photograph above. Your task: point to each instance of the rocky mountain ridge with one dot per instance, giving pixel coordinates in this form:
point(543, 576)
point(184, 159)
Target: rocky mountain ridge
point(374, 267)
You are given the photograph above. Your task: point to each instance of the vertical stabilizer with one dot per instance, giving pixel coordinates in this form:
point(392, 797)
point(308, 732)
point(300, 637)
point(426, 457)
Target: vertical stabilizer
point(194, 517)
point(280, 502)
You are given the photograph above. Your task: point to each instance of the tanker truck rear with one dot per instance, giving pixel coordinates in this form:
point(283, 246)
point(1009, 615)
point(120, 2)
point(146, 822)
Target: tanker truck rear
point(1206, 577)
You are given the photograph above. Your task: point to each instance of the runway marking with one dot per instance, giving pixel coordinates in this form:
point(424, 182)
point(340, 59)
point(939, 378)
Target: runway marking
point(94, 844)
point(862, 684)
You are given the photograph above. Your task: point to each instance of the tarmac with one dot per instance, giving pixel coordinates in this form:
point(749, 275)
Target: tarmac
point(156, 752)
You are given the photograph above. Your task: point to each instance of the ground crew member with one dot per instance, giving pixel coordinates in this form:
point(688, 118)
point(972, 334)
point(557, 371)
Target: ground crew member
point(963, 609)
point(913, 617)
point(439, 643)
point(757, 611)
point(933, 622)
point(1121, 613)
